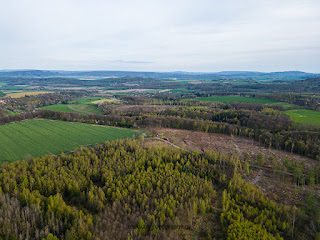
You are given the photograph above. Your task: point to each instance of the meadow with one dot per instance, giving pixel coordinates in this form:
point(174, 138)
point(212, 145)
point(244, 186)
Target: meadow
point(76, 108)
point(81, 105)
point(232, 99)
point(304, 116)
point(60, 108)
point(39, 137)
point(86, 100)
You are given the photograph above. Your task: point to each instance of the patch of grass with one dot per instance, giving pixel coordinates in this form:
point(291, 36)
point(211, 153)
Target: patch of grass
point(86, 108)
point(77, 108)
point(86, 100)
point(287, 105)
point(304, 116)
point(232, 99)
point(40, 137)
point(60, 108)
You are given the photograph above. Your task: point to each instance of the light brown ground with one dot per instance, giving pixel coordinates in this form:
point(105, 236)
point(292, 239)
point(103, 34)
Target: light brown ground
point(276, 186)
point(127, 90)
point(225, 144)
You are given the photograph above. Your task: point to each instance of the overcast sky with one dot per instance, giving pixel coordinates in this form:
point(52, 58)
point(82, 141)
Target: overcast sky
point(160, 35)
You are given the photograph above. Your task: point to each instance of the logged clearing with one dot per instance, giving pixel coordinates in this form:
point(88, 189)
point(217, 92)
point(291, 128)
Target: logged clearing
point(39, 137)
point(225, 144)
point(278, 187)
point(22, 94)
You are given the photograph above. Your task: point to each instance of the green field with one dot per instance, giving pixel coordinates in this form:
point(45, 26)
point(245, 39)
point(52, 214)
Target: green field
point(81, 105)
point(40, 137)
point(232, 99)
point(304, 116)
point(86, 100)
point(77, 108)
point(60, 108)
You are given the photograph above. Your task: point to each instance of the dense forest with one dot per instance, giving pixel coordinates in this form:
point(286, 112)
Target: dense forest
point(123, 190)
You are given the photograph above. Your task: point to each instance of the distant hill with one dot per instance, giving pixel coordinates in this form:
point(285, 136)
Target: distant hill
point(29, 73)
point(179, 75)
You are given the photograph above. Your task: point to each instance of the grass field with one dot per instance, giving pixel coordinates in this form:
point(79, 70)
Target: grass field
point(81, 105)
point(304, 116)
point(40, 137)
point(86, 100)
point(22, 94)
point(232, 99)
point(77, 108)
point(60, 108)
point(86, 108)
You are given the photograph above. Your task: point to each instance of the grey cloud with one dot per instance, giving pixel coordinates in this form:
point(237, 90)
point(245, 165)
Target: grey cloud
point(203, 35)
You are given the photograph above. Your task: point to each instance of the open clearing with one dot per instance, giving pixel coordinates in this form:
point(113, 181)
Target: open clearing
point(84, 105)
point(22, 94)
point(76, 108)
point(304, 116)
point(280, 188)
point(40, 137)
point(222, 143)
point(105, 100)
point(232, 99)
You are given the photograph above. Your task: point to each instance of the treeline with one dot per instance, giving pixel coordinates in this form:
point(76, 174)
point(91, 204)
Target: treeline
point(272, 131)
point(309, 102)
point(306, 143)
point(30, 103)
point(266, 118)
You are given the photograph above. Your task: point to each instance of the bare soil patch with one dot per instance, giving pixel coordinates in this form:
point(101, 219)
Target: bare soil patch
point(277, 186)
point(201, 141)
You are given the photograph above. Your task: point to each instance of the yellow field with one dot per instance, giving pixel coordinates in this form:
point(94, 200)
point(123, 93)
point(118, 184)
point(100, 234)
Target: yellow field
point(105, 100)
point(22, 94)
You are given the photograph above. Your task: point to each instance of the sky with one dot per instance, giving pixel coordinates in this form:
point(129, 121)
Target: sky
point(162, 35)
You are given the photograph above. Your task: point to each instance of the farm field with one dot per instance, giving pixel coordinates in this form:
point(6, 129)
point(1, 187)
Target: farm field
point(22, 94)
point(40, 137)
point(106, 100)
point(304, 116)
point(232, 99)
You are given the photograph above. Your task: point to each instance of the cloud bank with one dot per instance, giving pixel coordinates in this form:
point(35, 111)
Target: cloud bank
point(165, 35)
